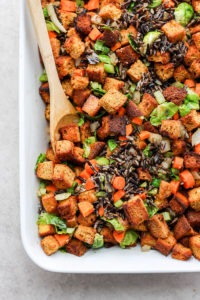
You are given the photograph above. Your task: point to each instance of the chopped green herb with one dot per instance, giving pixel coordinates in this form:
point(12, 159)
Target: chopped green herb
point(102, 161)
point(98, 241)
point(131, 6)
point(112, 144)
point(62, 196)
point(147, 152)
point(133, 43)
point(101, 194)
point(174, 174)
point(41, 158)
point(163, 111)
point(104, 58)
point(52, 27)
point(183, 13)
point(45, 12)
point(48, 219)
point(97, 88)
point(80, 3)
point(156, 182)
point(86, 145)
point(99, 46)
point(155, 3)
point(166, 216)
point(119, 203)
point(153, 192)
point(159, 97)
point(144, 184)
point(109, 68)
point(151, 37)
point(81, 121)
point(72, 188)
point(152, 210)
point(70, 230)
point(116, 224)
point(129, 239)
point(43, 77)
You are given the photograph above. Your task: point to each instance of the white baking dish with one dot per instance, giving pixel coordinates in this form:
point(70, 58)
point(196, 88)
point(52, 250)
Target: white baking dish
point(33, 140)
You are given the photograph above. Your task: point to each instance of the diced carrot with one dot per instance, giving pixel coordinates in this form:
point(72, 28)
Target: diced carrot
point(89, 169)
point(143, 196)
point(137, 121)
point(118, 195)
point(101, 211)
point(174, 186)
point(86, 208)
point(121, 111)
point(62, 239)
point(84, 174)
point(190, 83)
point(89, 185)
point(168, 3)
point(52, 34)
point(118, 236)
point(68, 5)
point(176, 116)
point(78, 181)
point(116, 46)
point(197, 89)
point(143, 135)
point(51, 188)
point(197, 149)
point(92, 4)
point(78, 108)
point(94, 34)
point(79, 72)
point(187, 179)
point(178, 163)
point(141, 145)
point(181, 196)
point(122, 138)
point(129, 129)
point(118, 182)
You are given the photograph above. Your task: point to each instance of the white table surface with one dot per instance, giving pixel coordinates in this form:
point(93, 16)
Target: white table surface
point(20, 279)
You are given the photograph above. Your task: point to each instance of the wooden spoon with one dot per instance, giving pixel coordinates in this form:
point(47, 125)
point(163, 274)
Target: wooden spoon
point(62, 111)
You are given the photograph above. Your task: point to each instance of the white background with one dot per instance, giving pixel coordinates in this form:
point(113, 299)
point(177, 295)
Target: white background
point(20, 279)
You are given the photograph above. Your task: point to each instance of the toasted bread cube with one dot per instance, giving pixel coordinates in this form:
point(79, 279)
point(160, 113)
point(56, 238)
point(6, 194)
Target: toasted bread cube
point(112, 101)
point(62, 239)
point(68, 208)
point(191, 55)
point(191, 120)
point(181, 74)
point(185, 241)
point(159, 57)
point(96, 72)
point(147, 240)
point(127, 55)
point(180, 252)
point(110, 11)
point(165, 245)
point(55, 45)
point(71, 133)
point(86, 208)
point(164, 72)
point(91, 106)
point(49, 203)
point(86, 221)
point(79, 82)
point(79, 96)
point(161, 202)
point(174, 31)
point(83, 23)
point(182, 228)
point(95, 149)
point(147, 105)
point(85, 234)
point(135, 211)
point(125, 32)
point(50, 155)
point(196, 5)
point(67, 18)
point(45, 170)
point(44, 230)
point(111, 83)
point(193, 218)
point(89, 196)
point(194, 243)
point(195, 68)
point(149, 127)
point(144, 174)
point(77, 156)
point(164, 189)
point(158, 227)
point(108, 235)
point(65, 66)
point(179, 203)
point(85, 131)
point(67, 87)
point(178, 147)
point(194, 198)
point(112, 125)
point(195, 29)
point(74, 46)
point(141, 227)
point(72, 222)
point(47, 112)
point(132, 110)
point(171, 129)
point(64, 150)
point(76, 247)
point(49, 245)
point(175, 94)
point(196, 39)
point(44, 92)
point(63, 176)
point(137, 70)
point(192, 160)
point(110, 37)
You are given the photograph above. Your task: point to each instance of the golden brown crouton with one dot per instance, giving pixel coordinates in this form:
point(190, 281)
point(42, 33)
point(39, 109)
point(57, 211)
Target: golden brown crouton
point(193, 218)
point(191, 55)
point(67, 87)
point(174, 31)
point(64, 150)
point(72, 222)
point(161, 203)
point(49, 203)
point(85, 131)
point(76, 247)
point(44, 230)
point(44, 92)
point(89, 196)
point(159, 57)
point(194, 198)
point(71, 133)
point(50, 155)
point(65, 66)
point(147, 240)
point(164, 72)
point(95, 149)
point(47, 112)
point(182, 228)
point(196, 39)
point(91, 106)
point(194, 243)
point(195, 68)
point(86, 221)
point(112, 101)
point(149, 127)
point(67, 208)
point(132, 110)
point(62, 239)
point(63, 176)
point(185, 241)
point(85, 234)
point(181, 74)
point(180, 252)
point(79, 96)
point(79, 82)
point(192, 160)
point(125, 32)
point(86, 208)
point(178, 147)
point(83, 23)
point(74, 46)
point(96, 72)
point(174, 94)
point(179, 203)
point(112, 125)
point(165, 245)
point(127, 55)
point(164, 189)
point(111, 83)
point(147, 105)
point(55, 45)
point(141, 227)
point(49, 245)
point(195, 29)
point(110, 37)
point(171, 129)
point(110, 11)
point(143, 174)
point(158, 227)
point(45, 170)
point(67, 18)
point(135, 211)
point(108, 235)
point(77, 156)
point(191, 120)
point(196, 5)
point(137, 70)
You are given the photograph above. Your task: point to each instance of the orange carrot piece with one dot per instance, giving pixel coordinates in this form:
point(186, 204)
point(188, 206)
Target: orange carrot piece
point(66, 5)
point(121, 111)
point(197, 148)
point(137, 121)
point(78, 108)
point(62, 239)
point(178, 163)
point(101, 211)
point(92, 4)
point(176, 116)
point(52, 34)
point(174, 186)
point(187, 179)
point(51, 188)
point(168, 3)
point(84, 174)
point(86, 208)
point(190, 83)
point(78, 181)
point(94, 34)
point(89, 185)
point(118, 182)
point(116, 46)
point(118, 236)
point(181, 196)
point(122, 138)
point(143, 196)
point(129, 129)
point(197, 89)
point(118, 195)
point(141, 145)
point(79, 72)
point(143, 135)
